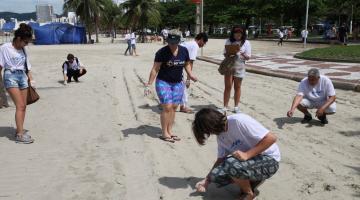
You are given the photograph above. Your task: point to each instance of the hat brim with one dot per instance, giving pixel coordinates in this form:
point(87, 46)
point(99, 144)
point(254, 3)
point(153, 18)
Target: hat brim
point(173, 41)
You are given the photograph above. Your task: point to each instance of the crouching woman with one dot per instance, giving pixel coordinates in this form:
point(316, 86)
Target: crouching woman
point(247, 152)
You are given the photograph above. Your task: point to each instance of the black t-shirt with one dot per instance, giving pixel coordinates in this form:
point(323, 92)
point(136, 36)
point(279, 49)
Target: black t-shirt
point(171, 69)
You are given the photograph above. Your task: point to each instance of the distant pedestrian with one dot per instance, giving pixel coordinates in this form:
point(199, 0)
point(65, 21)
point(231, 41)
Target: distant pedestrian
point(133, 43)
point(128, 42)
point(304, 34)
point(281, 38)
point(164, 34)
point(343, 31)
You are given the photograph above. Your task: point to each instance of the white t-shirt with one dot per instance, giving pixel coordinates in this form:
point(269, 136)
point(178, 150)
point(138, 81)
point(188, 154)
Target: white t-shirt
point(13, 59)
point(165, 32)
point(319, 92)
point(243, 134)
point(74, 65)
point(127, 36)
point(304, 33)
point(281, 34)
point(133, 38)
point(192, 47)
point(246, 48)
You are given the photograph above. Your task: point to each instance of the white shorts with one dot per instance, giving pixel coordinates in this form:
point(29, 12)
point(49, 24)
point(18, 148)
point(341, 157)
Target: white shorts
point(316, 105)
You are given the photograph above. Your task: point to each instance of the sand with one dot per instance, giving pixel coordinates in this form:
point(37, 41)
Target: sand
point(98, 139)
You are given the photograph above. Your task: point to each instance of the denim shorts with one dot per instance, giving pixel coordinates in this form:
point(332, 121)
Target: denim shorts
point(15, 79)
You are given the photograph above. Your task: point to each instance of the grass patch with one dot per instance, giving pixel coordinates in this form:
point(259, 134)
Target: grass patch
point(333, 53)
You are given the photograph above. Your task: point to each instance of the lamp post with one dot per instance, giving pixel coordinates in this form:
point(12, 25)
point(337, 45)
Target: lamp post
point(306, 22)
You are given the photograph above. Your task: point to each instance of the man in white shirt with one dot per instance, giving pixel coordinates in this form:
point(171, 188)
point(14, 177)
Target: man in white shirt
point(193, 48)
point(72, 68)
point(304, 34)
point(128, 41)
point(164, 34)
point(133, 43)
point(315, 91)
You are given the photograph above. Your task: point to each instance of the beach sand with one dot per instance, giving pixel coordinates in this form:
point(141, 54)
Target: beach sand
point(98, 139)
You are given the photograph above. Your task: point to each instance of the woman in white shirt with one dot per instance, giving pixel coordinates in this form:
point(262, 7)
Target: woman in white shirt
point(235, 76)
point(14, 61)
point(247, 152)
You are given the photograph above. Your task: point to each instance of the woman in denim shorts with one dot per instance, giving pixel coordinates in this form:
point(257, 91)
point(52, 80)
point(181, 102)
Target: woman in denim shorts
point(13, 59)
point(234, 77)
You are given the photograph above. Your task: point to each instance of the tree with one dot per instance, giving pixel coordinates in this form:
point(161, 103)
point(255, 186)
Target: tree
point(89, 12)
point(111, 17)
point(141, 14)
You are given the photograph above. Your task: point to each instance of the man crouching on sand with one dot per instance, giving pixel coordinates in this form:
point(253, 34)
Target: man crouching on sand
point(247, 152)
point(315, 91)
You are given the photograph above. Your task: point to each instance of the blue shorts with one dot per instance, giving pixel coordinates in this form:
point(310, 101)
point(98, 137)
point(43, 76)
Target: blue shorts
point(169, 93)
point(15, 79)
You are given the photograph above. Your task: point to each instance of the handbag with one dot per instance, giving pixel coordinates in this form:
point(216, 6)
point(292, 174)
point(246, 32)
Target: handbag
point(32, 95)
point(226, 65)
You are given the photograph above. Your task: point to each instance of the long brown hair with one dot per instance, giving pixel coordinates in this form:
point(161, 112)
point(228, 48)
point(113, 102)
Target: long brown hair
point(208, 121)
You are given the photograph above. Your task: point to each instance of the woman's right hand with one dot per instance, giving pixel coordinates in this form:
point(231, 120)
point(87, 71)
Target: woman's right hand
point(202, 185)
point(147, 90)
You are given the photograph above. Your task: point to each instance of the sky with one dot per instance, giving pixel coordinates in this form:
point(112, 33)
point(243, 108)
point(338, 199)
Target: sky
point(25, 6)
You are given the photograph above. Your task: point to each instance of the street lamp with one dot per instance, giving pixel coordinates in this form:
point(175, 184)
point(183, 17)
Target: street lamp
point(306, 23)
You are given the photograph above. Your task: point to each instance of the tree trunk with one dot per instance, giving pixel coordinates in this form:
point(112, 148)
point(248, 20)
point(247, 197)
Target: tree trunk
point(89, 33)
point(97, 29)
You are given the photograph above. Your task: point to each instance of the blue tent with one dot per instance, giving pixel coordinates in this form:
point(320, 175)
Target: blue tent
point(8, 26)
point(33, 24)
point(59, 33)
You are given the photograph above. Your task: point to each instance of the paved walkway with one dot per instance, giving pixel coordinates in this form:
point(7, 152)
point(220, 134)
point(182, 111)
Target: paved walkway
point(286, 63)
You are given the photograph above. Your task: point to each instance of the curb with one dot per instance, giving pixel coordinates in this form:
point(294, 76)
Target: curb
point(325, 59)
point(337, 84)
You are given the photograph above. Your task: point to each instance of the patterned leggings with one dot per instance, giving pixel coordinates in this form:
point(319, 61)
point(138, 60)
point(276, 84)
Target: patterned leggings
point(258, 168)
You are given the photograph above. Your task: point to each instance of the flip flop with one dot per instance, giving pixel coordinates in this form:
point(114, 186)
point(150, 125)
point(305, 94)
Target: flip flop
point(167, 139)
point(187, 110)
point(176, 138)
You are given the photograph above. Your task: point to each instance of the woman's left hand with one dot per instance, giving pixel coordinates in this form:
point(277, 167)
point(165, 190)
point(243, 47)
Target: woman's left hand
point(240, 155)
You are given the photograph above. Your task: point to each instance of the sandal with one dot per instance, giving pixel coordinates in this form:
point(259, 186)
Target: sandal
point(187, 110)
point(24, 139)
point(167, 139)
point(176, 138)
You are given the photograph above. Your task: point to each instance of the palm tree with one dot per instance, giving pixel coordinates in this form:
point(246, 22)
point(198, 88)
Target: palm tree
point(111, 17)
point(89, 12)
point(141, 14)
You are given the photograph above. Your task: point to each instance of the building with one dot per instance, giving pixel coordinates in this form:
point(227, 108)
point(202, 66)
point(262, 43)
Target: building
point(2, 22)
point(44, 13)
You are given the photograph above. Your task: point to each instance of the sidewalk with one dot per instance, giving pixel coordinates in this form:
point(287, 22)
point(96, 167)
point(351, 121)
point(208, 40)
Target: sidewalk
point(344, 75)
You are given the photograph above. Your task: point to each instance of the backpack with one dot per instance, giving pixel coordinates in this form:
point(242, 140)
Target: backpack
point(68, 64)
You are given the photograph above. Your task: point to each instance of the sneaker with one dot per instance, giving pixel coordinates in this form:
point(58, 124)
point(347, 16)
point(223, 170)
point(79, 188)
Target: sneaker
point(223, 110)
point(237, 110)
point(323, 119)
point(24, 138)
point(307, 118)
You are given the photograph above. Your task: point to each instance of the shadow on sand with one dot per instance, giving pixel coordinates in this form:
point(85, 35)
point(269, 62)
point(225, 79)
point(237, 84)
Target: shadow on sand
point(281, 121)
point(148, 130)
point(8, 132)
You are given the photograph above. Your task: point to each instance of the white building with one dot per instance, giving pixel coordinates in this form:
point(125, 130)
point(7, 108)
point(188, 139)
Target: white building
point(44, 13)
point(2, 22)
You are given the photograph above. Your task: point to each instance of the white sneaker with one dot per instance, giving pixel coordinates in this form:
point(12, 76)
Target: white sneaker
point(237, 110)
point(223, 110)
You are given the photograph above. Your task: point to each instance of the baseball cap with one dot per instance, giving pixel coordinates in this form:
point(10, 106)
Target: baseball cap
point(174, 37)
